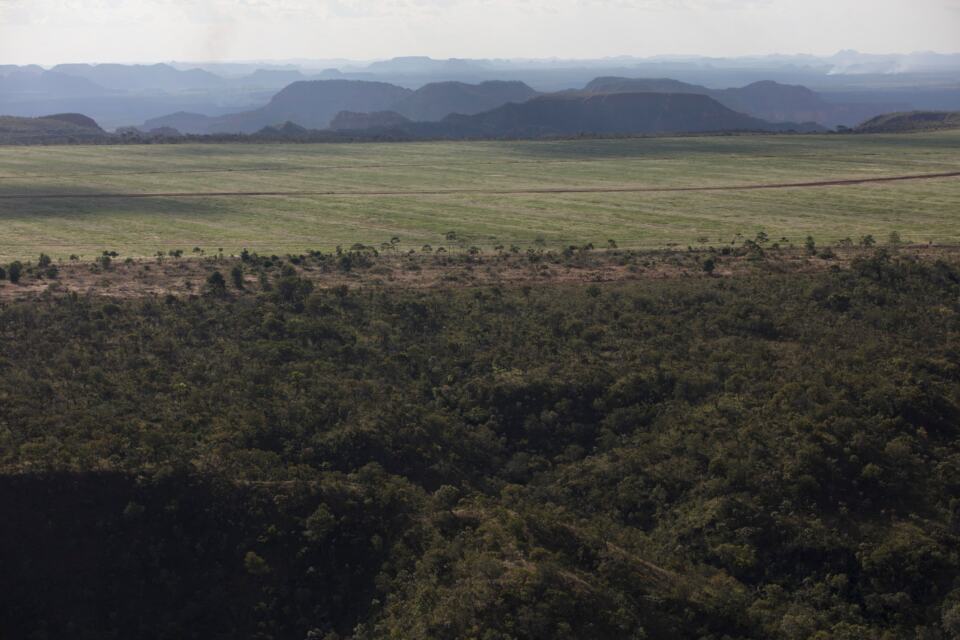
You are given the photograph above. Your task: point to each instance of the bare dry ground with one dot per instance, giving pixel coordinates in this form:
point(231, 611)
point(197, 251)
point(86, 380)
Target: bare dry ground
point(186, 276)
point(440, 192)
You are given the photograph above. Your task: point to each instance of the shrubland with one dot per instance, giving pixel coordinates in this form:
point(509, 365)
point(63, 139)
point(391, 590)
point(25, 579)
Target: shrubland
point(773, 455)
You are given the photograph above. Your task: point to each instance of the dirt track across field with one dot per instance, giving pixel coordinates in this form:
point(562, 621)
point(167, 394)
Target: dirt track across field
point(440, 192)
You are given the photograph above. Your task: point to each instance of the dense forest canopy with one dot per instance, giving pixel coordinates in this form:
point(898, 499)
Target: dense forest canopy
point(766, 456)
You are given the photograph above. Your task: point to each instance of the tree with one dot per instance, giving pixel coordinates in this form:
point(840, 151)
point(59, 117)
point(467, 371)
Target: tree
point(810, 245)
point(216, 283)
point(44, 260)
point(236, 274)
point(14, 272)
point(255, 565)
point(709, 265)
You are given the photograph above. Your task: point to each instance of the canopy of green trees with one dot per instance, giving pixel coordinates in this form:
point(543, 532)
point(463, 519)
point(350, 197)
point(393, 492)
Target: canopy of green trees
point(758, 457)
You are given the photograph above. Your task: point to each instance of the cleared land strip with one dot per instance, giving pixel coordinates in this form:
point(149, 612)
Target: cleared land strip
point(294, 169)
point(466, 191)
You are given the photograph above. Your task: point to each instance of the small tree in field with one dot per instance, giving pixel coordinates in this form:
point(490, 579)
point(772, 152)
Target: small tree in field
point(236, 274)
point(709, 265)
point(14, 272)
point(216, 284)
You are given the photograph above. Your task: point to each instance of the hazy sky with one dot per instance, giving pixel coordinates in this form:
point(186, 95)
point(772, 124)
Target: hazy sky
point(50, 31)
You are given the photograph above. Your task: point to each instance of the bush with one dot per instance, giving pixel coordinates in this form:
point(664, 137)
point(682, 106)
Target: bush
point(236, 275)
point(216, 284)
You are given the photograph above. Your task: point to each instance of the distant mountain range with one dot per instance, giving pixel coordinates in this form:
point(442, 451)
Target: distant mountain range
point(608, 105)
point(156, 77)
point(515, 109)
point(765, 99)
point(843, 89)
point(314, 104)
point(311, 104)
point(571, 113)
point(563, 115)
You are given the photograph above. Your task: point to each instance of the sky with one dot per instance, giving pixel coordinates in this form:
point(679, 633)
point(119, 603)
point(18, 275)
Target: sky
point(55, 31)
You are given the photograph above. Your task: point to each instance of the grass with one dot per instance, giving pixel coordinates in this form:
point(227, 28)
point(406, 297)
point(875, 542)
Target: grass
point(920, 211)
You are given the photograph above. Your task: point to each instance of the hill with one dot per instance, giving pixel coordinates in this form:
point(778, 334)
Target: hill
point(353, 121)
point(314, 104)
point(911, 121)
point(182, 121)
point(64, 128)
point(608, 114)
point(765, 99)
point(436, 100)
point(309, 104)
point(77, 119)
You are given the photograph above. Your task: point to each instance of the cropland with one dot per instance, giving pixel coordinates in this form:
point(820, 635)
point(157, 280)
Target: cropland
point(643, 193)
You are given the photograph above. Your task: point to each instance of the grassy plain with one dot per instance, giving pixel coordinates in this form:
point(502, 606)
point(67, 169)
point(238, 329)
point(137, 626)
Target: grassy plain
point(480, 212)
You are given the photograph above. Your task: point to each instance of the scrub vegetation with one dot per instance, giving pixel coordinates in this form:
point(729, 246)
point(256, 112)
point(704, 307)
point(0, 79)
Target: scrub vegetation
point(770, 455)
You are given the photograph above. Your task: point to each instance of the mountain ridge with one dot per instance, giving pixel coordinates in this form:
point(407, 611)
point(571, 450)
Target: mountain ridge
point(766, 99)
point(911, 121)
point(580, 113)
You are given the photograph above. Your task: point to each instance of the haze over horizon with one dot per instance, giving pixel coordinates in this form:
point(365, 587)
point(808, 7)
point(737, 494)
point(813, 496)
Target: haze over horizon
point(98, 31)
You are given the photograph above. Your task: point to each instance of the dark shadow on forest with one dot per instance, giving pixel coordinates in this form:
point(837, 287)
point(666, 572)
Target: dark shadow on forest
point(103, 555)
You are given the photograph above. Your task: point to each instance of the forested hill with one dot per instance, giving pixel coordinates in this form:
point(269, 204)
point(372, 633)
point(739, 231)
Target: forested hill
point(64, 128)
point(911, 121)
point(766, 456)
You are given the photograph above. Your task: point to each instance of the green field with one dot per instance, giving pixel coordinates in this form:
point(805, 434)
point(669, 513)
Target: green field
point(84, 223)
